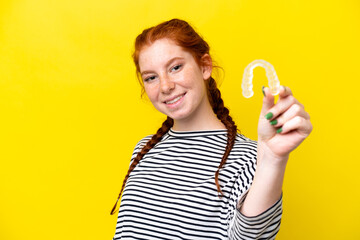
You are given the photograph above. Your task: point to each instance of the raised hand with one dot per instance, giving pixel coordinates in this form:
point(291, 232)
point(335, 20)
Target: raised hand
point(282, 126)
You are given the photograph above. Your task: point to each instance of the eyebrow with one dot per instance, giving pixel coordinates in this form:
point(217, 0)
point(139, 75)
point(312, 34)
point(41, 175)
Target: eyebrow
point(166, 65)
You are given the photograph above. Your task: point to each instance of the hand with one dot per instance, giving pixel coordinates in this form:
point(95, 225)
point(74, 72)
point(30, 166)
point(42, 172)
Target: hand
point(282, 126)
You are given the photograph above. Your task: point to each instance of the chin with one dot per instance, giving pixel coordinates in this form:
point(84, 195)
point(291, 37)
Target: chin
point(178, 114)
point(178, 117)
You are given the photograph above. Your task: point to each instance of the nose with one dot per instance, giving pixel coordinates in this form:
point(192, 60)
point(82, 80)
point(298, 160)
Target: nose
point(166, 84)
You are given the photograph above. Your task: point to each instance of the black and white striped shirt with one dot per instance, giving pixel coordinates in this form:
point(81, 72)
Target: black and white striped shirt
point(171, 193)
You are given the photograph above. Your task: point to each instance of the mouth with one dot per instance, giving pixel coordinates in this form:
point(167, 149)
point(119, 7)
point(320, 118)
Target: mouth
point(175, 100)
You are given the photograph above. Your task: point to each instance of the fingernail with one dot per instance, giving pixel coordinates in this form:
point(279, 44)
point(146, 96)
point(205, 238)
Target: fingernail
point(273, 122)
point(263, 90)
point(279, 130)
point(269, 115)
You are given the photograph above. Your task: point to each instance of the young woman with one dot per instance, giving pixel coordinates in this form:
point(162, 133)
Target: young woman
point(197, 177)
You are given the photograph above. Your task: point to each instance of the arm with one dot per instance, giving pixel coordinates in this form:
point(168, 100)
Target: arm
point(262, 226)
point(274, 147)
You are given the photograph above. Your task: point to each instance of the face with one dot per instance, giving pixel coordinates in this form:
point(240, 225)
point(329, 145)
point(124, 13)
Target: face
point(173, 81)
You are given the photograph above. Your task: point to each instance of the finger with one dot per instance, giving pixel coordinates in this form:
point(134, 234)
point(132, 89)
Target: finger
point(293, 111)
point(268, 101)
point(281, 106)
point(284, 91)
point(297, 123)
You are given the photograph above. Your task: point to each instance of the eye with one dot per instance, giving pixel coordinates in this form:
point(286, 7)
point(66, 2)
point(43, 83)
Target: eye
point(176, 67)
point(149, 78)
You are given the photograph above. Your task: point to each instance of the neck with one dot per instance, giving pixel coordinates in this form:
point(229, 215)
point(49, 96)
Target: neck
point(204, 120)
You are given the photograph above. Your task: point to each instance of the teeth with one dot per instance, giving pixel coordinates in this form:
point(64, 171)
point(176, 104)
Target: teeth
point(175, 100)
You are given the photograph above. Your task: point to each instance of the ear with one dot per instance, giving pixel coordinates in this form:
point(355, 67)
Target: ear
point(206, 66)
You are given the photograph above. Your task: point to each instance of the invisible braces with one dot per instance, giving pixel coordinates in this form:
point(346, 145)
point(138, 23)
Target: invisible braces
point(247, 86)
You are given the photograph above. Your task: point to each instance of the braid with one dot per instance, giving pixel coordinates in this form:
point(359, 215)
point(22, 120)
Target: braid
point(222, 114)
point(167, 124)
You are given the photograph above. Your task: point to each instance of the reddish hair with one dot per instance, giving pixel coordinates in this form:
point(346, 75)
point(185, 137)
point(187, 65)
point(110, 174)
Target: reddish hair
point(176, 30)
point(186, 37)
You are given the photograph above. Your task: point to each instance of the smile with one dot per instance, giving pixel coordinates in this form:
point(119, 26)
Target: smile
point(175, 100)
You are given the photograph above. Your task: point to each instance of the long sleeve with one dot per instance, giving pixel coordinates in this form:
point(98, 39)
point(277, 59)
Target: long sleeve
point(263, 226)
point(137, 148)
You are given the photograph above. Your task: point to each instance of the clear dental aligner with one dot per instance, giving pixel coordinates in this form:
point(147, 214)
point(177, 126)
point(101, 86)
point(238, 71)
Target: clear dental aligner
point(247, 86)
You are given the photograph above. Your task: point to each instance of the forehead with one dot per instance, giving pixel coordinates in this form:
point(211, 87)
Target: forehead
point(159, 52)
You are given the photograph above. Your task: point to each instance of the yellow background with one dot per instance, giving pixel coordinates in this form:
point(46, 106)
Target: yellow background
point(71, 112)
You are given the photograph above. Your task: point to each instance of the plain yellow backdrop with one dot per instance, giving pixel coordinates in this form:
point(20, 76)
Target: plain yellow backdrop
point(71, 111)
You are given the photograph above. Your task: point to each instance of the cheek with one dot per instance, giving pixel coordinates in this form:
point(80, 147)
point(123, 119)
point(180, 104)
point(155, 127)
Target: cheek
point(192, 80)
point(200, 86)
point(151, 92)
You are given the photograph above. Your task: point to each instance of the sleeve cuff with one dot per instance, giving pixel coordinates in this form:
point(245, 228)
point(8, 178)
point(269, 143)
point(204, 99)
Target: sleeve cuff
point(275, 209)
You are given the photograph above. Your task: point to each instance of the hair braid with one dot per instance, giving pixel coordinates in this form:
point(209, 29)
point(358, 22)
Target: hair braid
point(167, 124)
point(223, 114)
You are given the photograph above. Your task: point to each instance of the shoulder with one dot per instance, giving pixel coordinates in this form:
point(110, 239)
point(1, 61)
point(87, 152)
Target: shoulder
point(140, 144)
point(143, 141)
point(241, 140)
point(244, 149)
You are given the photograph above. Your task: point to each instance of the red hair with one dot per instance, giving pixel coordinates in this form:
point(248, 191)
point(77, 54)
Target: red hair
point(186, 37)
point(176, 30)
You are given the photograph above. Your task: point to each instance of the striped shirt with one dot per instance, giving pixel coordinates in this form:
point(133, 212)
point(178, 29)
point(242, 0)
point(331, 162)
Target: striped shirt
point(171, 193)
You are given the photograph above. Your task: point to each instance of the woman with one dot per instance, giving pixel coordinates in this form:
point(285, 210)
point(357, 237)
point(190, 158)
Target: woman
point(197, 178)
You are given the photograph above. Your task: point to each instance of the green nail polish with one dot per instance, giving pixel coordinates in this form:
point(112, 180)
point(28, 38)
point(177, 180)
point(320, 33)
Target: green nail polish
point(263, 90)
point(273, 122)
point(279, 130)
point(269, 115)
